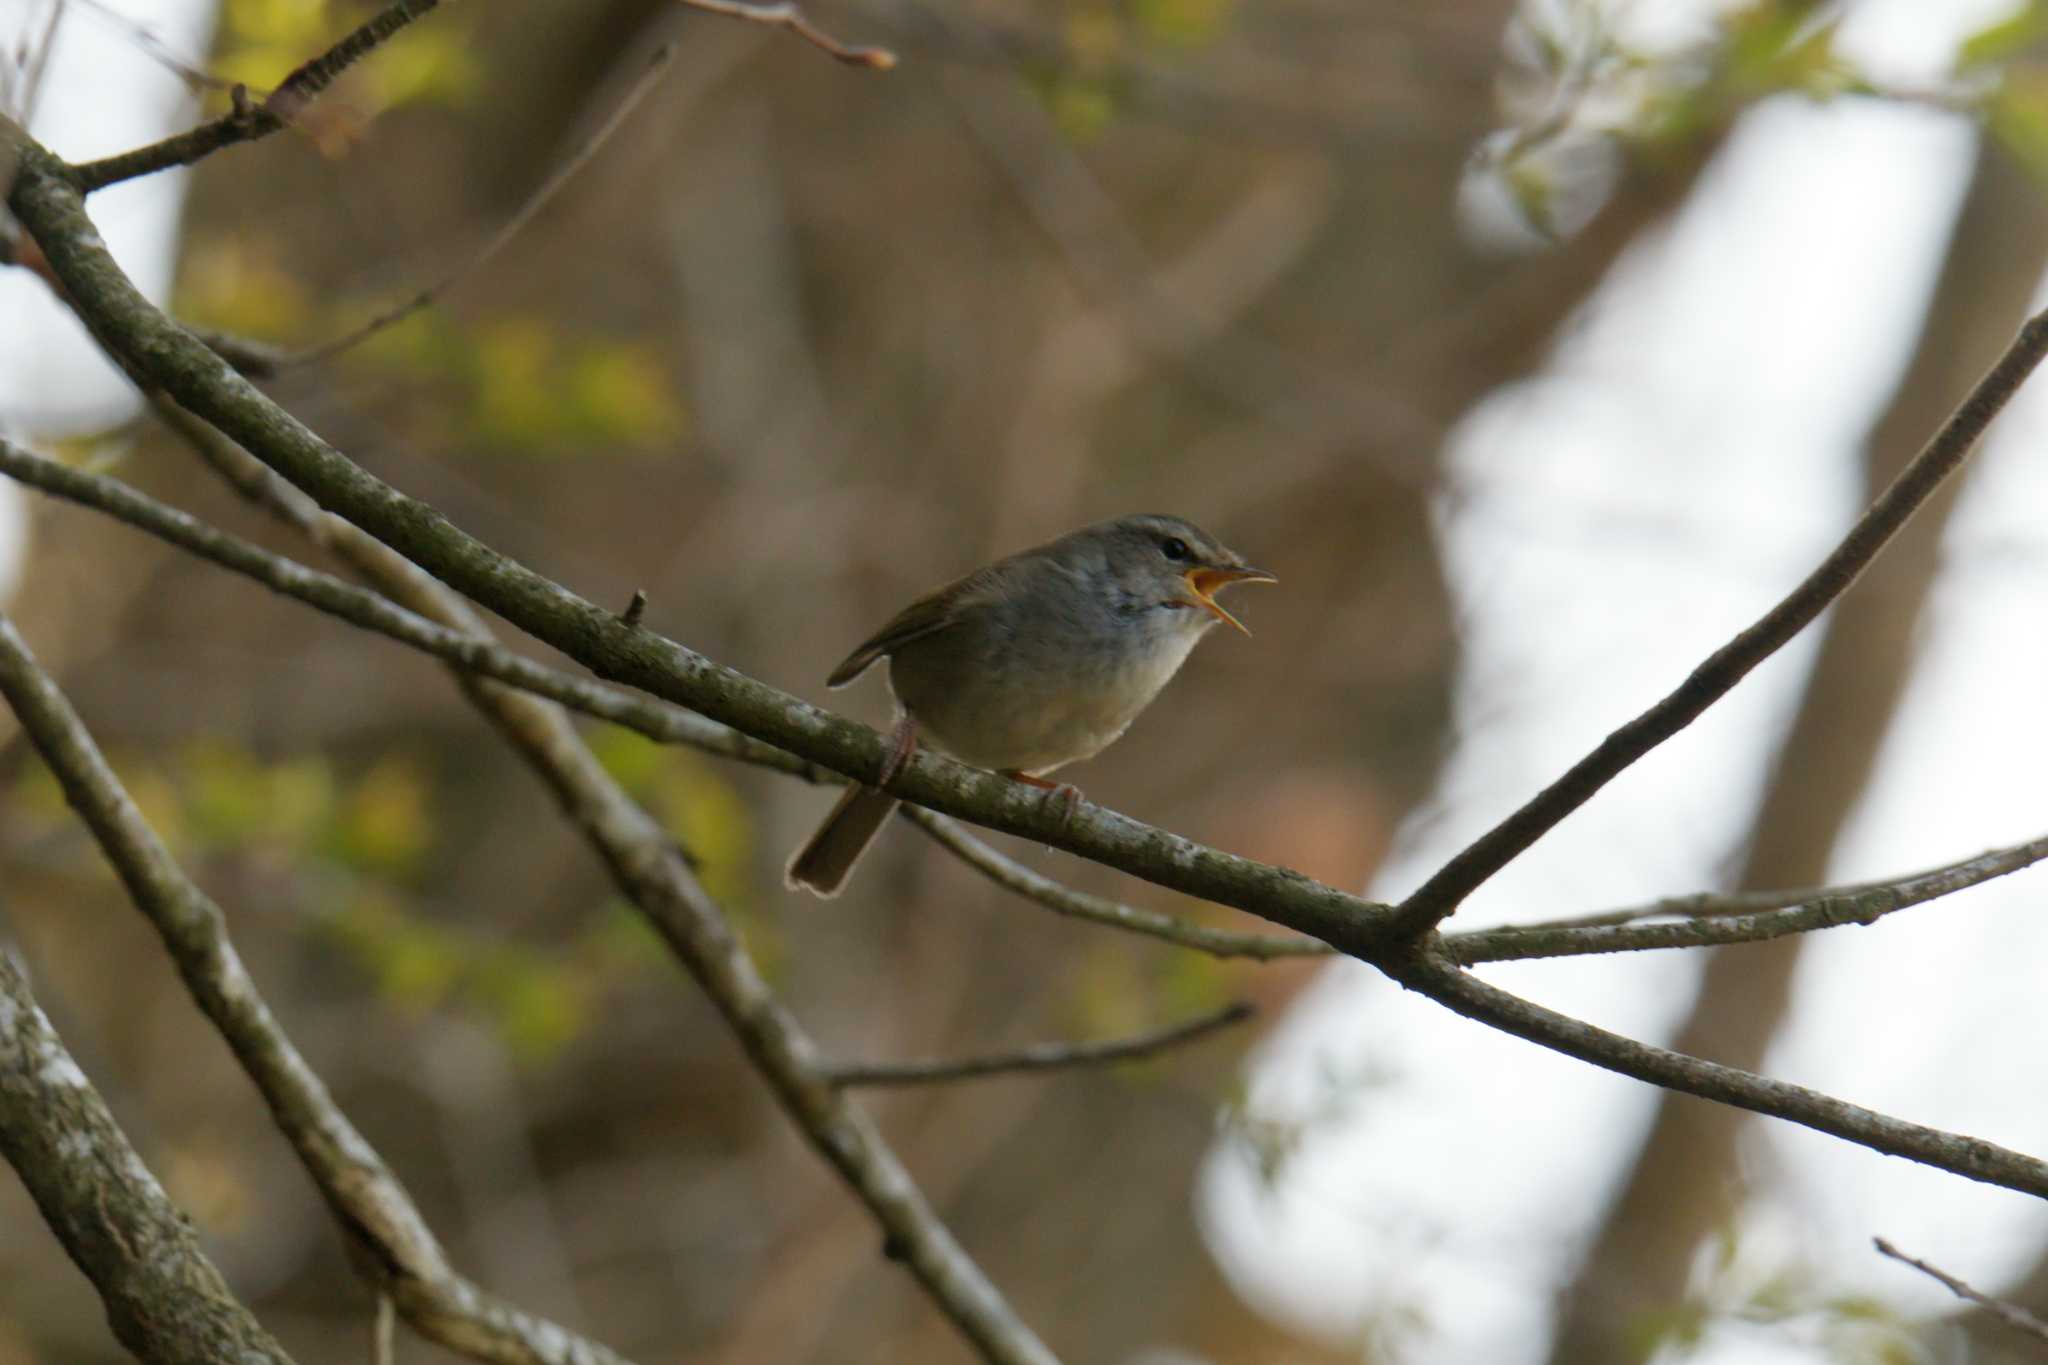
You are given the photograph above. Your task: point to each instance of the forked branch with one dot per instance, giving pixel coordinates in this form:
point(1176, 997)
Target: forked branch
point(247, 121)
point(2011, 1314)
point(364, 1194)
point(1943, 454)
point(163, 1297)
point(788, 14)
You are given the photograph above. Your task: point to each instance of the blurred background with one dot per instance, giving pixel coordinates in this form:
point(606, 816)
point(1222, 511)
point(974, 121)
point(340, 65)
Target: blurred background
point(1537, 346)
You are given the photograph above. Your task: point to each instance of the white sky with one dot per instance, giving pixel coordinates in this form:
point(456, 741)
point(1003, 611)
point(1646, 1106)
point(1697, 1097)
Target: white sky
point(52, 378)
point(1721, 383)
point(1688, 456)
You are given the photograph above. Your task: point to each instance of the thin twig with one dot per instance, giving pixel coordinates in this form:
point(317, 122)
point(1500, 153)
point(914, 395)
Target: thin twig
point(366, 1196)
point(155, 48)
point(1698, 905)
point(311, 78)
point(787, 14)
point(358, 606)
point(246, 121)
point(2011, 1314)
point(535, 202)
point(381, 1331)
point(1439, 896)
point(1717, 925)
point(38, 65)
point(1042, 1057)
point(1431, 975)
point(1012, 875)
point(163, 1297)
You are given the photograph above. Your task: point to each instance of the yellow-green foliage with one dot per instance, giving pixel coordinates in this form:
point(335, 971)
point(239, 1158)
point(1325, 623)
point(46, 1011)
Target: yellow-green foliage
point(1088, 86)
point(529, 388)
point(709, 822)
point(356, 847)
point(539, 999)
point(236, 284)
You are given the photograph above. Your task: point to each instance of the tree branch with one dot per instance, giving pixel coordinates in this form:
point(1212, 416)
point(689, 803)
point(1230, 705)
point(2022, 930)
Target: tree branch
point(1716, 924)
point(1740, 917)
point(361, 1191)
point(787, 14)
point(1042, 1057)
point(1442, 981)
point(164, 1299)
point(165, 356)
point(2011, 1314)
point(247, 122)
point(1443, 892)
point(1012, 875)
point(535, 202)
point(658, 720)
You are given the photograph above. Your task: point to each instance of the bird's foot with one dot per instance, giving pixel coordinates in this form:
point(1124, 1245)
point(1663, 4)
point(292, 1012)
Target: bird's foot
point(902, 744)
point(1064, 795)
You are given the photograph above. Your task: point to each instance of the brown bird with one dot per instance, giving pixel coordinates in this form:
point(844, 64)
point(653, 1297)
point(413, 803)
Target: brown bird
point(1033, 662)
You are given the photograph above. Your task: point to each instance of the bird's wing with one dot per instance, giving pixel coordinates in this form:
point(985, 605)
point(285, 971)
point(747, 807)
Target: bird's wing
point(928, 615)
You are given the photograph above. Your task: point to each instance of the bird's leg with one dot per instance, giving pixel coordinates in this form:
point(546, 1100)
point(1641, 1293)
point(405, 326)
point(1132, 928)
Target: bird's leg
point(902, 744)
point(1065, 795)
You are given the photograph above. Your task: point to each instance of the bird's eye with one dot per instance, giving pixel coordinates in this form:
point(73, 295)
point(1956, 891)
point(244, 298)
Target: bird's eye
point(1173, 547)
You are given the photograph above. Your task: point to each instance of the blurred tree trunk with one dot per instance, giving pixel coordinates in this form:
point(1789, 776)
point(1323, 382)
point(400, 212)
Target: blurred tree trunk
point(1686, 1183)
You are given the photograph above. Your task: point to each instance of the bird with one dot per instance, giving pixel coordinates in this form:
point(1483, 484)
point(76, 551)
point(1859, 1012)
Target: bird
point(1031, 663)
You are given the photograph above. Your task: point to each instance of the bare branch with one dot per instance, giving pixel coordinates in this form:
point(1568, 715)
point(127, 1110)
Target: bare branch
point(164, 1299)
point(257, 359)
point(535, 202)
point(656, 719)
point(1717, 919)
point(787, 14)
point(311, 79)
point(1458, 990)
point(30, 92)
point(246, 122)
point(163, 355)
point(1725, 667)
point(154, 47)
point(1043, 1057)
point(1716, 924)
point(2011, 1314)
point(365, 1196)
point(381, 1332)
point(1033, 886)
point(1697, 905)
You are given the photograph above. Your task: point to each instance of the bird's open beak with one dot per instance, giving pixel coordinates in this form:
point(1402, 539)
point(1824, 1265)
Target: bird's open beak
point(1204, 582)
